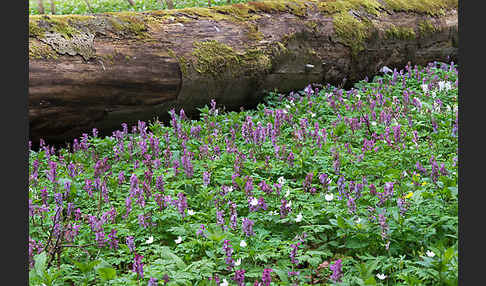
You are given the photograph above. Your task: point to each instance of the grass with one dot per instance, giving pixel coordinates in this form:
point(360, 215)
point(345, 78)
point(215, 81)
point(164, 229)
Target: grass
point(325, 187)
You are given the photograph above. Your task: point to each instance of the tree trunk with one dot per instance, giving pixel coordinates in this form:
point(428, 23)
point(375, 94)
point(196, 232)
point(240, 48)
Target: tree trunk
point(53, 7)
point(170, 4)
point(89, 6)
point(40, 6)
point(106, 69)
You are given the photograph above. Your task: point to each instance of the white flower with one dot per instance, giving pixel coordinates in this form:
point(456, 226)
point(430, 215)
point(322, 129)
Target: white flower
point(385, 69)
point(358, 220)
point(373, 123)
point(448, 85)
point(298, 218)
point(425, 87)
point(287, 193)
point(178, 240)
point(281, 180)
point(289, 204)
point(430, 253)
point(254, 202)
point(224, 283)
point(238, 262)
point(441, 85)
point(329, 197)
point(287, 106)
point(313, 114)
point(381, 276)
point(229, 189)
point(190, 212)
point(243, 243)
point(149, 240)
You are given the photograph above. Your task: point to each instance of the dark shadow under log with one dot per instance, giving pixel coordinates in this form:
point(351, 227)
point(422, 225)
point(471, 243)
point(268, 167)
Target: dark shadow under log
point(106, 69)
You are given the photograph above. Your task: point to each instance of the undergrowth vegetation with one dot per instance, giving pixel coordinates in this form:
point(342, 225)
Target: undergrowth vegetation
point(66, 7)
point(321, 186)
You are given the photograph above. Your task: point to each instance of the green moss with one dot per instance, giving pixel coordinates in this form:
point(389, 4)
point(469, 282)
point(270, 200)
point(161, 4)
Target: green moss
point(41, 51)
point(401, 33)
point(426, 28)
point(311, 24)
point(253, 33)
point(351, 32)
point(339, 6)
point(34, 29)
point(131, 23)
point(216, 59)
point(213, 57)
point(431, 7)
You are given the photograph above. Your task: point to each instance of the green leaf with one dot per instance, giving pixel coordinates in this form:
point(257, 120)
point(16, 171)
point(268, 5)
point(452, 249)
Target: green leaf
point(106, 273)
point(40, 263)
point(370, 281)
point(355, 243)
point(282, 275)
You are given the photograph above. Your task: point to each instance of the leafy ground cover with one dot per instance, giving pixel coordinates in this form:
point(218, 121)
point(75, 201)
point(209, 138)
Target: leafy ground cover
point(64, 7)
point(322, 186)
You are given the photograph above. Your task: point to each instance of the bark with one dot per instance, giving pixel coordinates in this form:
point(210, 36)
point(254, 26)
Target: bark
point(170, 4)
point(40, 6)
point(53, 7)
point(106, 69)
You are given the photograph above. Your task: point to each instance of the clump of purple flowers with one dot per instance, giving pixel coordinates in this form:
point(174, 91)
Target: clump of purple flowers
point(336, 269)
point(247, 226)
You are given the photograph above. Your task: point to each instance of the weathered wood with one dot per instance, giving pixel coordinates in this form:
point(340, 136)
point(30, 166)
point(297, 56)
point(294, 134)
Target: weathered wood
point(105, 69)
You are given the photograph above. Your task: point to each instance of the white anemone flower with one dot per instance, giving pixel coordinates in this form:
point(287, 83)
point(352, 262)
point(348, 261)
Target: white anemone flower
point(243, 243)
point(299, 218)
point(224, 283)
point(424, 87)
point(287, 193)
point(178, 240)
point(190, 212)
point(238, 262)
point(381, 276)
point(149, 240)
point(448, 85)
point(254, 202)
point(430, 253)
point(329, 197)
point(281, 180)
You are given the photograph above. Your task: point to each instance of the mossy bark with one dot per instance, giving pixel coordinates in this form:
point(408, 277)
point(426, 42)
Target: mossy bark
point(105, 69)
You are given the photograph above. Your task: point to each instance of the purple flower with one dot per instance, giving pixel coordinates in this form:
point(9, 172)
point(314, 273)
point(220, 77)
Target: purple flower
point(285, 208)
point(336, 269)
point(182, 204)
point(266, 277)
point(113, 239)
point(201, 230)
point(220, 218)
point(152, 282)
point(130, 243)
point(293, 253)
point(206, 178)
point(138, 265)
point(247, 226)
point(141, 221)
point(239, 277)
point(229, 253)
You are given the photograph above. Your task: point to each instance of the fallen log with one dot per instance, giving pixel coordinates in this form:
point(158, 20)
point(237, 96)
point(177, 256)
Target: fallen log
point(105, 69)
